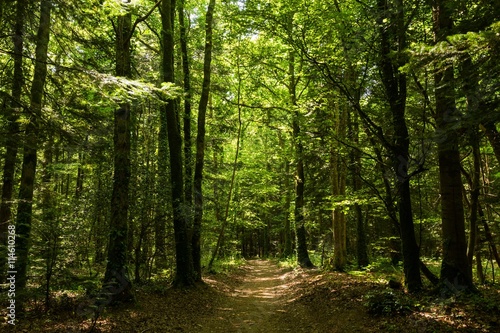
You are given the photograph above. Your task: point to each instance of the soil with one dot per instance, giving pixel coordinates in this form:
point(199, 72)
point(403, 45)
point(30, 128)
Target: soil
point(261, 297)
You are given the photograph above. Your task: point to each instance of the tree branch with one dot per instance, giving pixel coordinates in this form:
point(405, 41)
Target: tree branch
point(141, 19)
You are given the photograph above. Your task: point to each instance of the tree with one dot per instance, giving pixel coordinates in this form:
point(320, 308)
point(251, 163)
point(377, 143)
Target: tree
point(116, 277)
point(338, 175)
point(12, 140)
point(455, 270)
point(200, 140)
point(361, 241)
point(394, 81)
point(185, 275)
point(32, 138)
point(302, 254)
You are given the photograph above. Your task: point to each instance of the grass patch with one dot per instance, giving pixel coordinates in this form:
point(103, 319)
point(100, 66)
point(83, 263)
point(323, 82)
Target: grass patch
point(224, 265)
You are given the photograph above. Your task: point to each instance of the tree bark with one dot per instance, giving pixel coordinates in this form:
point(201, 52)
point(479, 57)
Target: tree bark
point(287, 246)
point(361, 241)
point(12, 139)
point(456, 273)
point(116, 278)
point(338, 174)
point(300, 229)
point(394, 33)
point(51, 235)
point(233, 175)
point(200, 141)
point(470, 87)
point(25, 206)
point(184, 275)
point(188, 188)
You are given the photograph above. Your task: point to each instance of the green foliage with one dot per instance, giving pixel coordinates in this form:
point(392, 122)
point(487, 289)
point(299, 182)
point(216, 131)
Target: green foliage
point(388, 303)
point(225, 265)
point(333, 47)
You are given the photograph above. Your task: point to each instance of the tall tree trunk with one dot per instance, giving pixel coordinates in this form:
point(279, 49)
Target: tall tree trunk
point(393, 33)
point(25, 206)
point(456, 273)
point(338, 174)
point(361, 241)
point(116, 278)
point(200, 141)
point(470, 79)
point(188, 154)
point(164, 191)
point(184, 275)
point(233, 175)
point(12, 139)
point(51, 234)
point(287, 246)
point(224, 220)
point(163, 195)
point(300, 229)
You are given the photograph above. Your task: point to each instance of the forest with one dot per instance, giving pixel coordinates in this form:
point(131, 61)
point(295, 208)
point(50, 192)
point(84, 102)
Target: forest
point(249, 165)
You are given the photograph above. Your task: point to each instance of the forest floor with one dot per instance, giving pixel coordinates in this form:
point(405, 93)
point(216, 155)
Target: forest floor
point(262, 297)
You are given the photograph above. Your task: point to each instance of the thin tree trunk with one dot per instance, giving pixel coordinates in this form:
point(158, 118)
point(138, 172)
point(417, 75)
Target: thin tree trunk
point(184, 275)
point(80, 177)
point(163, 194)
point(493, 136)
point(300, 229)
point(287, 250)
point(50, 236)
point(489, 236)
point(394, 82)
point(200, 142)
point(12, 139)
point(25, 206)
point(337, 173)
point(361, 241)
point(470, 86)
point(235, 167)
point(456, 273)
point(188, 154)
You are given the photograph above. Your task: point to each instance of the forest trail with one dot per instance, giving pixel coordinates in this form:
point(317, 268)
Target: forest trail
point(270, 299)
point(253, 305)
point(261, 297)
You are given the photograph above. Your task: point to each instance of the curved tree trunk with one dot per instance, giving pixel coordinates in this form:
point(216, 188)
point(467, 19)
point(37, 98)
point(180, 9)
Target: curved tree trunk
point(200, 143)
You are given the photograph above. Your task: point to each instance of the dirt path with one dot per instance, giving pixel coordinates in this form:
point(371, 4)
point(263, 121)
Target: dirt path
point(255, 304)
point(262, 298)
point(267, 299)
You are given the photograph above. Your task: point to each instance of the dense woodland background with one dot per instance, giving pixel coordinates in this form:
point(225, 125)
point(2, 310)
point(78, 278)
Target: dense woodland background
point(151, 140)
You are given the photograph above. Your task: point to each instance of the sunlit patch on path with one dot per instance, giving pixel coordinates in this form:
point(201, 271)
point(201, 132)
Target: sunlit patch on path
point(255, 302)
